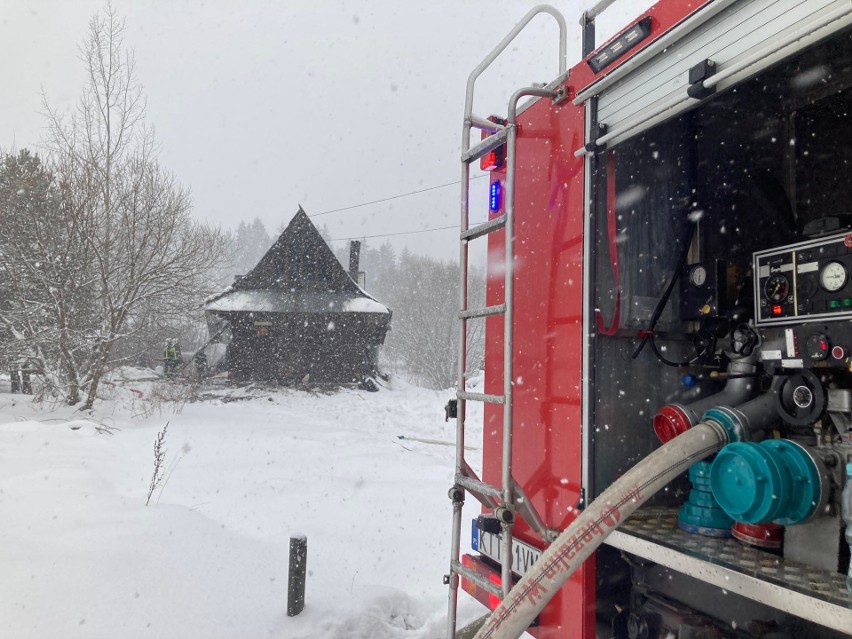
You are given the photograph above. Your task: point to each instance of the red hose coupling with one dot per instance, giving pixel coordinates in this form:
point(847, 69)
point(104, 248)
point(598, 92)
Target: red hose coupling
point(671, 421)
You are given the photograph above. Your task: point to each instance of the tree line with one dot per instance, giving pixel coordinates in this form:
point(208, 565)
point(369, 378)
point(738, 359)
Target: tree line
point(423, 293)
point(101, 258)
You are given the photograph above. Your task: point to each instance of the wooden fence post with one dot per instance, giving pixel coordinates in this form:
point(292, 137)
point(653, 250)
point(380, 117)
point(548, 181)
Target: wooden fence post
point(296, 577)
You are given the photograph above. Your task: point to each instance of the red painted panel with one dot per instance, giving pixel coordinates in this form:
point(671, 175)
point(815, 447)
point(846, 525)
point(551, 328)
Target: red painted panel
point(548, 334)
point(548, 326)
point(664, 15)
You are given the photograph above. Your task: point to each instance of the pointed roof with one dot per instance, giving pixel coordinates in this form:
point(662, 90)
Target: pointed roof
point(299, 273)
point(301, 260)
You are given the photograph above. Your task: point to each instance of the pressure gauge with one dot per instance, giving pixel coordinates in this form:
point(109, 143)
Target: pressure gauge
point(806, 286)
point(777, 288)
point(698, 275)
point(833, 276)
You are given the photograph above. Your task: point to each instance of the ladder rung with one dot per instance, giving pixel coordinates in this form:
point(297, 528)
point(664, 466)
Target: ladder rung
point(484, 123)
point(482, 229)
point(471, 575)
point(487, 500)
point(481, 397)
point(488, 144)
point(476, 486)
point(483, 312)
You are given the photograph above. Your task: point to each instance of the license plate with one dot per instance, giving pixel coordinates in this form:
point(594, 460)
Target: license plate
point(489, 545)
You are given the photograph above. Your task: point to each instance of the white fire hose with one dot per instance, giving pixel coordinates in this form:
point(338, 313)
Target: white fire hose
point(568, 552)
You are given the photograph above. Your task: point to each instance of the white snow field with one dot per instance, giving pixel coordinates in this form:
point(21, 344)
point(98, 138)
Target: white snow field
point(82, 556)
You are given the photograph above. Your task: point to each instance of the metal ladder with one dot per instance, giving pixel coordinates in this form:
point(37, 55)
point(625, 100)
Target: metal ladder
point(508, 498)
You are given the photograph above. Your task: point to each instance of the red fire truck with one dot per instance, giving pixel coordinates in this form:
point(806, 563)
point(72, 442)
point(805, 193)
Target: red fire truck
point(667, 447)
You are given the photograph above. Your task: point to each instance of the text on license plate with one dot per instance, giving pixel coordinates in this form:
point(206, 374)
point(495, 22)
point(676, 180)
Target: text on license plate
point(489, 544)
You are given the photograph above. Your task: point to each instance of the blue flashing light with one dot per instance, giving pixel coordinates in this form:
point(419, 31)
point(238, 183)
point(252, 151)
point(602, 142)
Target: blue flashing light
point(494, 199)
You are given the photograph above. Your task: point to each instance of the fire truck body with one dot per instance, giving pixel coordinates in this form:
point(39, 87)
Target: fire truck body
point(681, 243)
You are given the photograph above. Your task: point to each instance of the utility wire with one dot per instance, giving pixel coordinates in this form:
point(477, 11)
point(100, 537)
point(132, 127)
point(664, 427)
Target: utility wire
point(395, 197)
point(364, 237)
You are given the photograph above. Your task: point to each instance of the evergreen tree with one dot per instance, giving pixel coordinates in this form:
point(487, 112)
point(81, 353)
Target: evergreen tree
point(48, 290)
point(251, 242)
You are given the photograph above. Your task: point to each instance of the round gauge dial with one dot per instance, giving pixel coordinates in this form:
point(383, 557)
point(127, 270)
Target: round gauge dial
point(806, 285)
point(777, 288)
point(833, 276)
point(698, 275)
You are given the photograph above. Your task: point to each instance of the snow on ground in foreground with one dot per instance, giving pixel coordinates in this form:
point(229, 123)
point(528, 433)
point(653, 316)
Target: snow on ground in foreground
point(82, 556)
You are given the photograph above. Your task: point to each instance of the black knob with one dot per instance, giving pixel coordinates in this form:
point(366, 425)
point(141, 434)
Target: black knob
point(637, 627)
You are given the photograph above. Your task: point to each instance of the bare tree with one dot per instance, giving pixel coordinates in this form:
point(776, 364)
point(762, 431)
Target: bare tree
point(119, 237)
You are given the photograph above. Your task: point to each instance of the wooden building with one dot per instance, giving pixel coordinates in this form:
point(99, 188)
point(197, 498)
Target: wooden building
point(298, 316)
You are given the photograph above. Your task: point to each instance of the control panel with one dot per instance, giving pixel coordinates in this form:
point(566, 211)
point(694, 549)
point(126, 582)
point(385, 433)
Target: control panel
point(805, 282)
point(811, 345)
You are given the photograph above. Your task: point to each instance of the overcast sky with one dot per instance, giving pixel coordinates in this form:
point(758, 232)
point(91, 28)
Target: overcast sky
point(260, 106)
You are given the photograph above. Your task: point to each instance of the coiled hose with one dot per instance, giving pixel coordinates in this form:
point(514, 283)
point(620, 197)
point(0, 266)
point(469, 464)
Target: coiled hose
point(567, 553)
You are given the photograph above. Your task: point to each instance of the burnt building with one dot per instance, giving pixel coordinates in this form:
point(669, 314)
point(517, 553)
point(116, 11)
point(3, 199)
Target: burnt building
point(299, 316)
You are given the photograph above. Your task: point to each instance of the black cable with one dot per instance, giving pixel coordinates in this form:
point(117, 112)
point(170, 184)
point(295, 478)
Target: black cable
point(703, 345)
point(395, 197)
point(364, 237)
point(661, 304)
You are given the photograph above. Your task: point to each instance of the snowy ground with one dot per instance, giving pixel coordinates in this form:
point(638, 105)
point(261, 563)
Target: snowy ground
point(82, 556)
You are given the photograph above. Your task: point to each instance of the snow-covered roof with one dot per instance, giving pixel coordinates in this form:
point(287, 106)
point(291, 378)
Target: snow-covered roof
point(300, 259)
point(274, 301)
point(364, 305)
point(299, 274)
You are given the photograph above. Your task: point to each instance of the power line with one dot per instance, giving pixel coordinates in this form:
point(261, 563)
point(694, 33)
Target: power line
point(364, 237)
point(395, 197)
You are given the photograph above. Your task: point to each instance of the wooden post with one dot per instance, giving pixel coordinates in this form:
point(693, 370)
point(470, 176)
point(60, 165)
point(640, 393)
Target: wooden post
point(296, 577)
